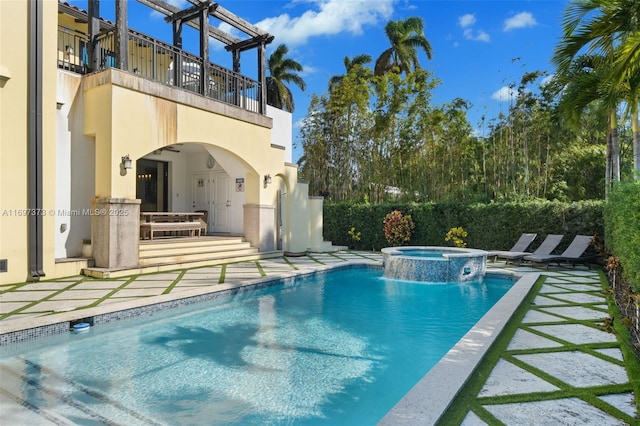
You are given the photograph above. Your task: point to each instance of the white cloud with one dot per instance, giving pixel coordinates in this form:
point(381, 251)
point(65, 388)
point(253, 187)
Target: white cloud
point(505, 94)
point(477, 35)
point(467, 20)
point(331, 17)
point(308, 69)
point(229, 29)
point(521, 20)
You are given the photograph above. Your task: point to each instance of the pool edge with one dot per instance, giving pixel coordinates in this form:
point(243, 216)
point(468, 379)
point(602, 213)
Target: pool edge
point(425, 403)
point(21, 330)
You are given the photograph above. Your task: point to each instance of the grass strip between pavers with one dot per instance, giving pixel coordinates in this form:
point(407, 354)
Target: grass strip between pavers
point(223, 274)
point(294, 267)
point(466, 398)
point(469, 401)
point(632, 363)
point(260, 269)
point(128, 281)
point(175, 282)
point(310, 256)
point(44, 299)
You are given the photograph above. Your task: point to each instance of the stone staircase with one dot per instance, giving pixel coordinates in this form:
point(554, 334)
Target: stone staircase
point(178, 253)
point(182, 250)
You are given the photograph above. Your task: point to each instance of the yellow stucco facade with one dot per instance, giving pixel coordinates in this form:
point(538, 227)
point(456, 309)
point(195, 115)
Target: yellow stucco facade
point(91, 120)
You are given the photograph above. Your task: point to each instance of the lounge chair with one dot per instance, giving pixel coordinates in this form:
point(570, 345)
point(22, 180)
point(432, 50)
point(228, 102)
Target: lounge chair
point(547, 247)
point(574, 254)
point(520, 246)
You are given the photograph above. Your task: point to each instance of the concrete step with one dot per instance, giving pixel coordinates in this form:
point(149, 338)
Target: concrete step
point(172, 266)
point(159, 250)
point(193, 249)
point(179, 243)
point(191, 257)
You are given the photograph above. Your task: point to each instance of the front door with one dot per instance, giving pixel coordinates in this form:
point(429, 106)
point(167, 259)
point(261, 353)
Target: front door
point(211, 192)
point(222, 203)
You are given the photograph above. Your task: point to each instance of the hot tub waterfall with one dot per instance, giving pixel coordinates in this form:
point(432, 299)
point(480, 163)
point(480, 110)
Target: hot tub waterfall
point(434, 264)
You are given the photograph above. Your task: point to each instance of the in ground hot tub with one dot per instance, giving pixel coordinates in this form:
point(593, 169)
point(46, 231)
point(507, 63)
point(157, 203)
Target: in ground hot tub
point(434, 264)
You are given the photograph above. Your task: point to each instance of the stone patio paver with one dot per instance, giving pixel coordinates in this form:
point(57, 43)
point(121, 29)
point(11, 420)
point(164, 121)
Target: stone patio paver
point(526, 340)
point(577, 312)
point(576, 333)
point(569, 411)
point(509, 379)
point(577, 369)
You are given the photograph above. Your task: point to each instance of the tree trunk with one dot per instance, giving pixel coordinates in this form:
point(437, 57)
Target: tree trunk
point(615, 148)
point(608, 164)
point(635, 126)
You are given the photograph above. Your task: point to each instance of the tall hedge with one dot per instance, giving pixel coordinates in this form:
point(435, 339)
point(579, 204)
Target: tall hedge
point(490, 226)
point(622, 218)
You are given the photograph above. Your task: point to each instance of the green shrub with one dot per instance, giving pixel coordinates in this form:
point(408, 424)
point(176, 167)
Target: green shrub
point(490, 226)
point(622, 239)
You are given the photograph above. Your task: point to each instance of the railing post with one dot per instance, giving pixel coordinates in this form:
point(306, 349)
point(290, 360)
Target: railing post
point(154, 61)
point(177, 69)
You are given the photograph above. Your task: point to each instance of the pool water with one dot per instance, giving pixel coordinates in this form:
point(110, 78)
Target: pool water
point(338, 348)
point(425, 253)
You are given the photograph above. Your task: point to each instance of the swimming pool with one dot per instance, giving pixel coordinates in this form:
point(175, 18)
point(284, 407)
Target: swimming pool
point(339, 348)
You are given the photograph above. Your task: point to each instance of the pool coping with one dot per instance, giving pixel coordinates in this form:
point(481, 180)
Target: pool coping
point(425, 404)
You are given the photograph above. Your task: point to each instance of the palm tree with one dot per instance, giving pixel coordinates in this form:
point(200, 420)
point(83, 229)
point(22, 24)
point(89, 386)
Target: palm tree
point(610, 28)
point(583, 88)
point(351, 64)
point(406, 38)
point(281, 70)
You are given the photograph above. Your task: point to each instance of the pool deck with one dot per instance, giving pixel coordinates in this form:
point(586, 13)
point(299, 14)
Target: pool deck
point(558, 366)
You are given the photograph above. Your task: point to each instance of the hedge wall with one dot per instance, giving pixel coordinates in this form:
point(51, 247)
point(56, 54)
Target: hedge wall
point(622, 218)
point(490, 226)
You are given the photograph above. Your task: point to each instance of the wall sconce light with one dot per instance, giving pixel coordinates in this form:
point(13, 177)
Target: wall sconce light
point(126, 162)
point(267, 180)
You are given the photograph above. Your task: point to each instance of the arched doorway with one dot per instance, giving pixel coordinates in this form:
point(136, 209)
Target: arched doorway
point(193, 177)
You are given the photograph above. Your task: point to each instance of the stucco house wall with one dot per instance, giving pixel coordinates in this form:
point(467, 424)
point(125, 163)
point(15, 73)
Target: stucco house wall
point(90, 121)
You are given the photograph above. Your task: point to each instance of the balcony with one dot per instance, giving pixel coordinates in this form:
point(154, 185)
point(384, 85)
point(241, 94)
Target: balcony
point(152, 59)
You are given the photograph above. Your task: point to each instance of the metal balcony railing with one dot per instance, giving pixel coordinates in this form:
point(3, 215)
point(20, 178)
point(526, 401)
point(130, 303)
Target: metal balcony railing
point(73, 53)
point(155, 60)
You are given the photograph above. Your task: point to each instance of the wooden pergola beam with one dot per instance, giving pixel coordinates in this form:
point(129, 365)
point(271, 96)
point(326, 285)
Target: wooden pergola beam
point(232, 19)
point(237, 22)
point(192, 12)
point(250, 43)
point(168, 9)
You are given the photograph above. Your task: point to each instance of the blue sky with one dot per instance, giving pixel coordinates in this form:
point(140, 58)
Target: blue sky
point(480, 47)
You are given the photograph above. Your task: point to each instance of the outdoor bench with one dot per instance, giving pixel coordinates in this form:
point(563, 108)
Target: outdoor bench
point(178, 222)
point(193, 227)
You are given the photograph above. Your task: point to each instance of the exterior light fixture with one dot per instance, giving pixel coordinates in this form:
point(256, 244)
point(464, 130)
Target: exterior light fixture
point(126, 162)
point(267, 180)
